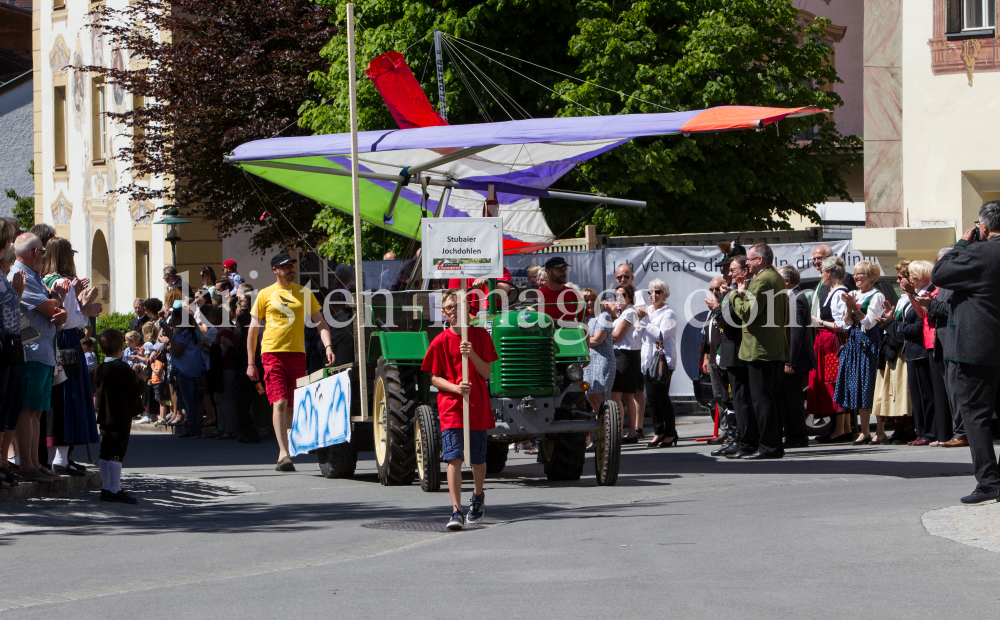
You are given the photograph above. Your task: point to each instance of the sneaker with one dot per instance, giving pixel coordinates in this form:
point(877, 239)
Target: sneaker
point(477, 508)
point(457, 521)
point(144, 420)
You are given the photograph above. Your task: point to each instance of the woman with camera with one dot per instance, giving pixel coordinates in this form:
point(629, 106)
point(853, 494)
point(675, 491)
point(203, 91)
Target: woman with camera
point(859, 357)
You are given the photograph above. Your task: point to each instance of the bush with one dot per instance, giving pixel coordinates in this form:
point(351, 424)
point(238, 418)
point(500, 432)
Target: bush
point(115, 320)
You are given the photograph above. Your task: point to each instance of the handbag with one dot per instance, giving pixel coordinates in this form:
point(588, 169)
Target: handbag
point(11, 350)
point(658, 372)
point(70, 362)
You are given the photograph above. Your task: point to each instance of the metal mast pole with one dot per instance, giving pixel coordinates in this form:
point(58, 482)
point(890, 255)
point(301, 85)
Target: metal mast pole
point(358, 279)
point(439, 62)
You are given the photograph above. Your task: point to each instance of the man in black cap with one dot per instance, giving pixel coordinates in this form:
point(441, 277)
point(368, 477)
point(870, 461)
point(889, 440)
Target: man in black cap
point(282, 309)
point(563, 304)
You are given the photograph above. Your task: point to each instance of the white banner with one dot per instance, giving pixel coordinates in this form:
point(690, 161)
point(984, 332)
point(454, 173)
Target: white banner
point(687, 271)
point(585, 268)
point(462, 247)
point(322, 414)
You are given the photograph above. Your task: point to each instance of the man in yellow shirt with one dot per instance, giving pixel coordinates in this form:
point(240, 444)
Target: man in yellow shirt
point(282, 308)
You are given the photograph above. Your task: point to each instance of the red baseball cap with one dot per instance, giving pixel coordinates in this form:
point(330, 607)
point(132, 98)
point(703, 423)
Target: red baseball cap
point(229, 264)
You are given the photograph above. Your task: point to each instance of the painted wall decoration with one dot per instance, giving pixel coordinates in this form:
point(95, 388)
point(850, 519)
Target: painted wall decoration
point(79, 90)
point(118, 92)
point(62, 211)
point(97, 47)
point(322, 414)
point(59, 56)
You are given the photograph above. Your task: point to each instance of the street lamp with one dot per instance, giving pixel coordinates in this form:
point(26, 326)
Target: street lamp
point(173, 235)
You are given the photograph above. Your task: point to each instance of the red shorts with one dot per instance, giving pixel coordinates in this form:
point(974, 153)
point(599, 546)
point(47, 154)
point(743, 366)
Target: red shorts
point(281, 369)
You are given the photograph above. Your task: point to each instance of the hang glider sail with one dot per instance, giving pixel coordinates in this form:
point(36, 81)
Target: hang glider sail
point(456, 164)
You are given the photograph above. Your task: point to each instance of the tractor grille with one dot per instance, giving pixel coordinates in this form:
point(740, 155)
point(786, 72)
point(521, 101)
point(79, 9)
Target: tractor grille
point(527, 365)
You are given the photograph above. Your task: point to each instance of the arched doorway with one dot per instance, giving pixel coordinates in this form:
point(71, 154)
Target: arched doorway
point(100, 271)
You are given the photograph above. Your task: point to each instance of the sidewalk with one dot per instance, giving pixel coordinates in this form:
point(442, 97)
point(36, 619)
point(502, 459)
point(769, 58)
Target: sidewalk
point(67, 484)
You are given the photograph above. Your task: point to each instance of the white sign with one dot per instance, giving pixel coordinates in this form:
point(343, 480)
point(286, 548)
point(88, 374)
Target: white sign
point(462, 247)
point(322, 414)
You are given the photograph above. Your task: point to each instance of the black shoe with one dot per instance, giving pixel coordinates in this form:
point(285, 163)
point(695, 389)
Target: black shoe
point(760, 456)
point(630, 440)
point(457, 521)
point(477, 508)
point(639, 433)
point(121, 497)
point(738, 454)
point(795, 443)
point(67, 471)
point(829, 438)
point(724, 449)
point(864, 441)
point(189, 435)
point(978, 496)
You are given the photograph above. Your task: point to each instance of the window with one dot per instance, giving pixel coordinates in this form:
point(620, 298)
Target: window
point(58, 5)
point(98, 107)
point(59, 126)
point(979, 14)
point(138, 130)
point(965, 16)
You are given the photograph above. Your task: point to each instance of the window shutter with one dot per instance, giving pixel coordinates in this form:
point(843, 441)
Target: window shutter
point(954, 16)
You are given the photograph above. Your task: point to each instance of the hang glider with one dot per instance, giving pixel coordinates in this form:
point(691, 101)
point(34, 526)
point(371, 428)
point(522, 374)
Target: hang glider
point(445, 171)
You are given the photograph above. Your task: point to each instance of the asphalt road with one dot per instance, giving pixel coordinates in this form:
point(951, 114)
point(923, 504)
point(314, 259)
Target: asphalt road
point(825, 533)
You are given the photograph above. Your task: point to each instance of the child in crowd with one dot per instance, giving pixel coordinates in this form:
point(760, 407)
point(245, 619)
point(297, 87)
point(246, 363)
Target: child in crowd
point(444, 362)
point(118, 394)
point(132, 354)
point(88, 353)
point(144, 369)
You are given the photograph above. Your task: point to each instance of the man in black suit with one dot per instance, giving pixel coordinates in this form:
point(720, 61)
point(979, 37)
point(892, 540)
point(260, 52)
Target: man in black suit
point(801, 359)
point(971, 270)
point(747, 435)
point(140, 318)
point(711, 345)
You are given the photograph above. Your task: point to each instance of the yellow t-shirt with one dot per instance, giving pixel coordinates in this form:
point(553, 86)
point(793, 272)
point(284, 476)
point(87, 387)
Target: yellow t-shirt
point(283, 311)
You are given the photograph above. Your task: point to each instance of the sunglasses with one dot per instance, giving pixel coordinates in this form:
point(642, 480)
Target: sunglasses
point(622, 278)
point(450, 308)
point(715, 288)
point(653, 291)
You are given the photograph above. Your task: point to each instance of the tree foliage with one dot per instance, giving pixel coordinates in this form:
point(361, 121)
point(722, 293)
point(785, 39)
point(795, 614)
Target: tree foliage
point(24, 206)
point(229, 72)
point(669, 54)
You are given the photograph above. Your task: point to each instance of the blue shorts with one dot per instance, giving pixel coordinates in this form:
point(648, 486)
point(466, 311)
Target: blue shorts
point(36, 386)
point(453, 440)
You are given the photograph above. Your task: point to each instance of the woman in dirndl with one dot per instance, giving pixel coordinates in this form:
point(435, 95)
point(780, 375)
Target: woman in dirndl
point(823, 379)
point(859, 357)
point(71, 421)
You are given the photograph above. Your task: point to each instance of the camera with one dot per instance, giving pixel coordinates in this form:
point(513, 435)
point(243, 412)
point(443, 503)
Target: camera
point(975, 233)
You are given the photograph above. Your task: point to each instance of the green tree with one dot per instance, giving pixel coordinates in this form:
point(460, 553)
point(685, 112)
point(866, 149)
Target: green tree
point(24, 206)
point(695, 54)
point(676, 54)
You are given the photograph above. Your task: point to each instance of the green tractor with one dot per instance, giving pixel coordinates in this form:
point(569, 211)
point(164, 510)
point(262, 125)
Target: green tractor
point(536, 392)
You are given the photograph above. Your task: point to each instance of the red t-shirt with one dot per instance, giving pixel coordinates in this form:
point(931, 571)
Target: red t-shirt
point(445, 360)
point(476, 301)
point(565, 305)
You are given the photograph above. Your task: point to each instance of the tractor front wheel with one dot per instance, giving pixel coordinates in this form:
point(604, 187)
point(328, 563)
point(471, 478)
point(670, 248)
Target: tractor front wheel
point(608, 443)
point(563, 454)
point(339, 460)
point(427, 442)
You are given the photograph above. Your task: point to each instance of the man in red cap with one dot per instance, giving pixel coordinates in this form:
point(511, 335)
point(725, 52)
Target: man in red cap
point(229, 270)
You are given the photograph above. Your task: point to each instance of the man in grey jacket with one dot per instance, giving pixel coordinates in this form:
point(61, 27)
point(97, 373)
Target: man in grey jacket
point(972, 270)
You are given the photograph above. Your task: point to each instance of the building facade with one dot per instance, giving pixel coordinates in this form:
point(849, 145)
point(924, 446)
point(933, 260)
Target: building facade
point(931, 80)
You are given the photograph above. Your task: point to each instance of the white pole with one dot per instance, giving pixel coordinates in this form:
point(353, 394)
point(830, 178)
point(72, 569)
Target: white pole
point(463, 323)
point(359, 315)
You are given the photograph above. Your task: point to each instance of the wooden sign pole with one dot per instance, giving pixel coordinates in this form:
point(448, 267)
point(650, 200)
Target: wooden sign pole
point(463, 323)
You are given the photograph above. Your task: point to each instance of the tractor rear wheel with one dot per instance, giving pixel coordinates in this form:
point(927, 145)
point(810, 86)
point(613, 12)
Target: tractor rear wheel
point(393, 427)
point(427, 443)
point(496, 456)
point(563, 454)
point(608, 443)
point(339, 460)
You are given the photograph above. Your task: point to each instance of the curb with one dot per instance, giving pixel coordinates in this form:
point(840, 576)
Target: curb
point(152, 428)
point(67, 484)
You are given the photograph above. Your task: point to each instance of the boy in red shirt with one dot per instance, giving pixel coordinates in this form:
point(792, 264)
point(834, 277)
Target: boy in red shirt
point(444, 363)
